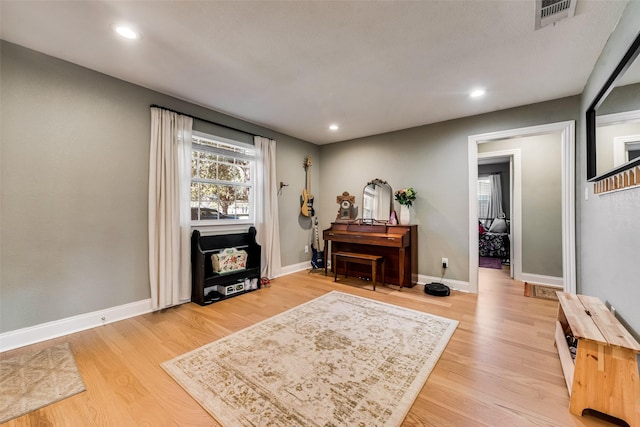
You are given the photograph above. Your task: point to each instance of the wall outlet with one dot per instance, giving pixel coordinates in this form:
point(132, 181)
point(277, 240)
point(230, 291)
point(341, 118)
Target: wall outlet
point(445, 262)
point(306, 249)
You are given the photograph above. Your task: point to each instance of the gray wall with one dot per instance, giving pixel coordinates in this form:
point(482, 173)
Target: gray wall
point(433, 160)
point(609, 225)
point(74, 181)
point(541, 174)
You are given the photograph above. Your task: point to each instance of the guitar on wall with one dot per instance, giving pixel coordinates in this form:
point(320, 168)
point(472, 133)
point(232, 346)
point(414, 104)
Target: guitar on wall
point(317, 257)
point(306, 200)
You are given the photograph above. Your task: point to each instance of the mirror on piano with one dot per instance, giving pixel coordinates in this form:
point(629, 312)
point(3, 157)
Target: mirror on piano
point(377, 201)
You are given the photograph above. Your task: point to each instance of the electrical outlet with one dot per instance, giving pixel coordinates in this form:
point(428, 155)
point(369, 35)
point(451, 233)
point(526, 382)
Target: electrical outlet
point(445, 262)
point(306, 249)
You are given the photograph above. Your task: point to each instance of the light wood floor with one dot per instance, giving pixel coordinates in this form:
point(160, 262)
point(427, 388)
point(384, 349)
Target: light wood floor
point(499, 369)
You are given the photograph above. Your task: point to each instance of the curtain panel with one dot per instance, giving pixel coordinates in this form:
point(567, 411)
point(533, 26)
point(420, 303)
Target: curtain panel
point(266, 205)
point(495, 209)
point(169, 208)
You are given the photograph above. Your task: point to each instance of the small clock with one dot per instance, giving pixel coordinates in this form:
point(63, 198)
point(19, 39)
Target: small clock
point(346, 210)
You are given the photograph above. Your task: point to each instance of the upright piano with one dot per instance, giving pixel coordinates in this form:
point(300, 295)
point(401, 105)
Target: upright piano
point(397, 243)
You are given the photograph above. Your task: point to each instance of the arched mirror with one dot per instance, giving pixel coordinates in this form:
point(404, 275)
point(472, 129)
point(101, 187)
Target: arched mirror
point(377, 201)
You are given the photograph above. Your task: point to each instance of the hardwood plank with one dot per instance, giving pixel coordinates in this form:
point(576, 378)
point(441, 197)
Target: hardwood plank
point(500, 367)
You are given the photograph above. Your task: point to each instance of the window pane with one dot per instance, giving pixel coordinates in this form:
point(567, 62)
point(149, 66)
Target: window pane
point(207, 192)
point(241, 206)
point(194, 163)
point(207, 166)
point(233, 170)
point(194, 192)
point(227, 197)
point(484, 194)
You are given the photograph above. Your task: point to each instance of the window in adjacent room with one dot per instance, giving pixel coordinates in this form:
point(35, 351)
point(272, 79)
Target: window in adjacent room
point(484, 196)
point(222, 184)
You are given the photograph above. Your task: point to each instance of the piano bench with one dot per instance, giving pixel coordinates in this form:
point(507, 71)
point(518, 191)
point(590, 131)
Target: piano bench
point(350, 257)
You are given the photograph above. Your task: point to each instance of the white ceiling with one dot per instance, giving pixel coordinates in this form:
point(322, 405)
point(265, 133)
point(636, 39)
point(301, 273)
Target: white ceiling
point(297, 66)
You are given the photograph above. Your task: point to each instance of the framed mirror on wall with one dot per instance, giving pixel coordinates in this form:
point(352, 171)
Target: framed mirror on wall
point(613, 120)
point(377, 201)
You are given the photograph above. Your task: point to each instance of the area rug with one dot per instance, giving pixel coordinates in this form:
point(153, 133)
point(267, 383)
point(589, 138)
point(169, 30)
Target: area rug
point(541, 291)
point(338, 360)
point(37, 379)
point(488, 262)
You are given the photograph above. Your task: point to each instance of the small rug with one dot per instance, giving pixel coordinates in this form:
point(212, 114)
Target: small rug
point(34, 380)
point(488, 262)
point(541, 291)
point(336, 360)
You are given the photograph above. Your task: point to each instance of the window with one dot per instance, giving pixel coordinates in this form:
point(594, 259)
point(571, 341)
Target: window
point(222, 184)
point(484, 195)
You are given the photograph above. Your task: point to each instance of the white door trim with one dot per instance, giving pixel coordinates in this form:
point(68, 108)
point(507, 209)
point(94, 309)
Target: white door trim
point(567, 133)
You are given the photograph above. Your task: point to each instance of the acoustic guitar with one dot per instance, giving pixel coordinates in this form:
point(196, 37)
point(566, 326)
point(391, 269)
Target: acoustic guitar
point(306, 200)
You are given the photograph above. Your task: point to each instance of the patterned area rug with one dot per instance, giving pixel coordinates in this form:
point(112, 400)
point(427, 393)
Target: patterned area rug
point(34, 380)
point(336, 360)
point(541, 291)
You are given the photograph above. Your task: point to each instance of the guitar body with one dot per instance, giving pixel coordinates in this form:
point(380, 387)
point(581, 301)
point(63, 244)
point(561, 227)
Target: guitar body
point(317, 257)
point(304, 203)
point(310, 209)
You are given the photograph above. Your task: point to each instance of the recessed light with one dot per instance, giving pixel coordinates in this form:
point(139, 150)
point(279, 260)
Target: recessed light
point(126, 32)
point(477, 93)
point(334, 127)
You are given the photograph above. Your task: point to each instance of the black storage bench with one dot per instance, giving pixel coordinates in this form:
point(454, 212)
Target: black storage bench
point(207, 286)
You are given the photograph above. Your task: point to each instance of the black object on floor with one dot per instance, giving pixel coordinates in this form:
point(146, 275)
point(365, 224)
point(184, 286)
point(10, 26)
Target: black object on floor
point(437, 289)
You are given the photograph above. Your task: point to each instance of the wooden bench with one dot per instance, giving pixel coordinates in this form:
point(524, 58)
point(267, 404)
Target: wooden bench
point(604, 376)
point(366, 259)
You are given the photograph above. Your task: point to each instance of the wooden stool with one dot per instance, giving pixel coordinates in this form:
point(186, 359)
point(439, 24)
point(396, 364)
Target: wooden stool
point(365, 259)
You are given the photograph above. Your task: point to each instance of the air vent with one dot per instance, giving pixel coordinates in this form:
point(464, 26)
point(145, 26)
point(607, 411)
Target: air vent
point(551, 11)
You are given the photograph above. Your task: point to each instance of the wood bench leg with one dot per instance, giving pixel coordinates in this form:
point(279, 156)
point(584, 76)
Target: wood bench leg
point(374, 269)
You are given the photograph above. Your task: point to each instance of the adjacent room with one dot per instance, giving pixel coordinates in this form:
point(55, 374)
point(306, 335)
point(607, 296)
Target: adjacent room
point(319, 213)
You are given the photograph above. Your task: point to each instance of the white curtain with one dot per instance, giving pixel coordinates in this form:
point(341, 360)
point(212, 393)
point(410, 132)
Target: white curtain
point(495, 209)
point(169, 210)
point(266, 205)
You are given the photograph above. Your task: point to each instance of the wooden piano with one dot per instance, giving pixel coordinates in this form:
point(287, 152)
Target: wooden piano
point(397, 243)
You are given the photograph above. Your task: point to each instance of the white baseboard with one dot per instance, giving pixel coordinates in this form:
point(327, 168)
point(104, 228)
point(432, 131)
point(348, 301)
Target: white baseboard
point(294, 268)
point(57, 328)
point(458, 285)
point(543, 280)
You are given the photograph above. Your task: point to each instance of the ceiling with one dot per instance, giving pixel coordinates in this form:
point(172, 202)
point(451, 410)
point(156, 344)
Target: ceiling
point(298, 66)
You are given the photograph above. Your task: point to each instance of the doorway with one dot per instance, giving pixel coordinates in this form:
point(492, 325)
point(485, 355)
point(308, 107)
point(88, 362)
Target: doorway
point(566, 131)
point(506, 164)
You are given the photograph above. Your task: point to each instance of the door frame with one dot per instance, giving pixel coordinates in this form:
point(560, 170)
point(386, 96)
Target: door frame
point(567, 137)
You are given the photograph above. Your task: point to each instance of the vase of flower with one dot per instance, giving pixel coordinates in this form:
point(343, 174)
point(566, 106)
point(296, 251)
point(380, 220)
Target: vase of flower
point(405, 197)
point(405, 215)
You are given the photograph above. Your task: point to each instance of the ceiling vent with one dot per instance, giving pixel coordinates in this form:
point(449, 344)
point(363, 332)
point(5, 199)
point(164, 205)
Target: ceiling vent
point(551, 11)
